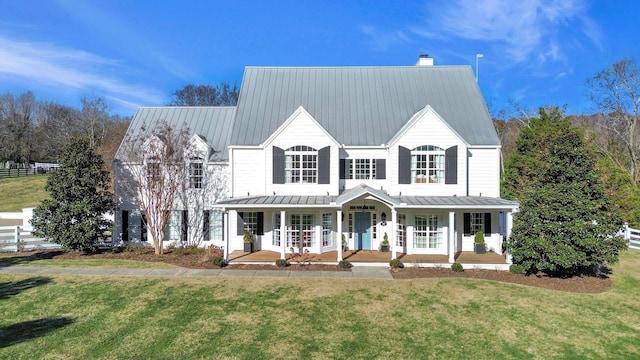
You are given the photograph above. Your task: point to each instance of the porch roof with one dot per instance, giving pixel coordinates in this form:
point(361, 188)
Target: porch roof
point(400, 202)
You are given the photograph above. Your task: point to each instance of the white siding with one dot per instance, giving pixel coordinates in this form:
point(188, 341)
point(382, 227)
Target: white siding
point(248, 172)
point(367, 153)
point(484, 172)
point(428, 130)
point(301, 130)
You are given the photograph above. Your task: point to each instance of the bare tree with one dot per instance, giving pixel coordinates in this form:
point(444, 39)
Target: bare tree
point(17, 114)
point(616, 92)
point(95, 117)
point(200, 195)
point(223, 94)
point(150, 173)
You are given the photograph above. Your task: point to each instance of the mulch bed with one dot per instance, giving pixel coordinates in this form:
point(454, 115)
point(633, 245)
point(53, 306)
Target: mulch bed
point(578, 284)
point(199, 260)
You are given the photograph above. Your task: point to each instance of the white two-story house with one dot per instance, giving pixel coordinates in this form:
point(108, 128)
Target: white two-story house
point(325, 158)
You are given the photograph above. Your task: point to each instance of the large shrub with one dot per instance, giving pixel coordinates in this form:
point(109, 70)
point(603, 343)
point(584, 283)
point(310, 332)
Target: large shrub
point(565, 226)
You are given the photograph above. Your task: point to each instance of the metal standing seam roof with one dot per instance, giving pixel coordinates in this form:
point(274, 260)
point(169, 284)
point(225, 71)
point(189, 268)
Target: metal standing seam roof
point(440, 202)
point(214, 123)
point(361, 105)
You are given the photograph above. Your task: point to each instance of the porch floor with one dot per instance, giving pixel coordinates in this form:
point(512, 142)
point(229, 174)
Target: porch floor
point(367, 256)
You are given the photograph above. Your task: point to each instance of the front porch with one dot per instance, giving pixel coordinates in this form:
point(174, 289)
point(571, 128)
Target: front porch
point(469, 260)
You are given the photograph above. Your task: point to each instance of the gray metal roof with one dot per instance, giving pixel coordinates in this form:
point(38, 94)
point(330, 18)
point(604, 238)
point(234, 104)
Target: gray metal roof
point(361, 105)
point(214, 123)
point(332, 201)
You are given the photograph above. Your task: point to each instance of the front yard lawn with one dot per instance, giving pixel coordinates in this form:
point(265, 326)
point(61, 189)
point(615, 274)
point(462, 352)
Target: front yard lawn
point(263, 318)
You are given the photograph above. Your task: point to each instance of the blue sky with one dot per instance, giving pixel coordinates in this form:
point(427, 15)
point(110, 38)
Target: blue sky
point(137, 53)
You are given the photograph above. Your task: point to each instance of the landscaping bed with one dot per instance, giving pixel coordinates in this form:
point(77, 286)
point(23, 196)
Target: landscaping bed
point(198, 259)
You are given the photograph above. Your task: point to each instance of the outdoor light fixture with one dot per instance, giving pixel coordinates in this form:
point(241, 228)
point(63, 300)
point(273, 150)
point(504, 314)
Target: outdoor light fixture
point(383, 217)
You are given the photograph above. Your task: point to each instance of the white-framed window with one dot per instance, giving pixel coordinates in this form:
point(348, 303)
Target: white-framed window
point(350, 226)
point(275, 237)
point(427, 232)
point(301, 165)
point(402, 230)
point(152, 171)
point(196, 173)
point(215, 224)
point(250, 221)
point(302, 229)
point(477, 222)
point(427, 164)
point(174, 227)
point(362, 169)
point(327, 224)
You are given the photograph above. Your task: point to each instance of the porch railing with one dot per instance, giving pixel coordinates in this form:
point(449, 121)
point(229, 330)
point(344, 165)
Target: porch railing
point(308, 238)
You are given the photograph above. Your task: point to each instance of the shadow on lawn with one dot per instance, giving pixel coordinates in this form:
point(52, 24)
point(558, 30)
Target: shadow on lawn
point(12, 288)
point(17, 260)
point(27, 330)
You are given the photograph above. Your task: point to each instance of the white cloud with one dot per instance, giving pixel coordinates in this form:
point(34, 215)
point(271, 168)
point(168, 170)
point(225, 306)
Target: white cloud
point(522, 30)
point(384, 40)
point(44, 63)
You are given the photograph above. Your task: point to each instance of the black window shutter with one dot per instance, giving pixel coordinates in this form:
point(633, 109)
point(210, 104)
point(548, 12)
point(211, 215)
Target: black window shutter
point(278, 165)
point(143, 227)
point(451, 165)
point(467, 223)
point(185, 226)
point(125, 225)
point(404, 165)
point(240, 224)
point(324, 165)
point(381, 169)
point(487, 223)
point(342, 170)
point(206, 234)
point(260, 223)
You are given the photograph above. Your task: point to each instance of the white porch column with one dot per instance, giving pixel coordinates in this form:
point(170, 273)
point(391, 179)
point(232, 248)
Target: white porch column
point(339, 234)
point(508, 227)
point(452, 240)
point(394, 233)
point(283, 234)
point(225, 221)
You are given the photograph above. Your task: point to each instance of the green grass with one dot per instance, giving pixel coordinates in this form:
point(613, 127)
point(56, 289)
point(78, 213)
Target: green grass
point(263, 318)
point(22, 192)
point(93, 263)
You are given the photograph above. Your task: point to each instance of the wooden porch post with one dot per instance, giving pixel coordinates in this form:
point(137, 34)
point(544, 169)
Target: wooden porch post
point(452, 233)
point(339, 234)
point(283, 234)
point(394, 227)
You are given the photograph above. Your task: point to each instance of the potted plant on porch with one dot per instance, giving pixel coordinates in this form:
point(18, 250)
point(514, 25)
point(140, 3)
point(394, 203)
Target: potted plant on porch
point(384, 245)
point(248, 241)
point(479, 246)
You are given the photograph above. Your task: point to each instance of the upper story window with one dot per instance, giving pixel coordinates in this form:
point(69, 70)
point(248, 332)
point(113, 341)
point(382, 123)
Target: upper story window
point(152, 171)
point(362, 169)
point(196, 173)
point(301, 165)
point(427, 164)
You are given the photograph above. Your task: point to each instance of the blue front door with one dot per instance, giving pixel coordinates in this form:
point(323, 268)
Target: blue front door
point(363, 231)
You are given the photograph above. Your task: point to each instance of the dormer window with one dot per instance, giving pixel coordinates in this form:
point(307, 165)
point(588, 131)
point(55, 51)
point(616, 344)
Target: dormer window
point(301, 165)
point(196, 172)
point(427, 164)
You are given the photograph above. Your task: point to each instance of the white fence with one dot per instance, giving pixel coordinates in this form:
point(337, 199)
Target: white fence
point(20, 238)
point(632, 236)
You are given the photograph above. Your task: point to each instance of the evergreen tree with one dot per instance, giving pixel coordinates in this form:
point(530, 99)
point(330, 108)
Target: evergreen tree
point(565, 226)
point(72, 217)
